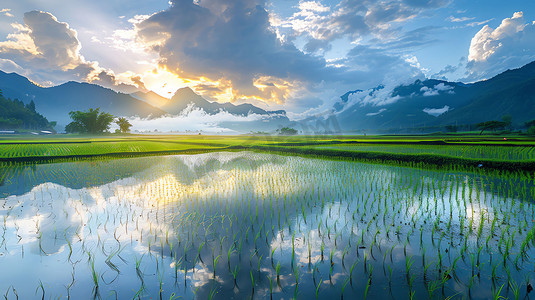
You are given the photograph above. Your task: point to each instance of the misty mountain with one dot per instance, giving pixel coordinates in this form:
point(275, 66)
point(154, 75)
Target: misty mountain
point(56, 102)
point(186, 96)
point(437, 103)
point(186, 99)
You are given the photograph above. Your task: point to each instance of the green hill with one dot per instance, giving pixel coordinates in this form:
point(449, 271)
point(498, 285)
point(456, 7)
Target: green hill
point(14, 115)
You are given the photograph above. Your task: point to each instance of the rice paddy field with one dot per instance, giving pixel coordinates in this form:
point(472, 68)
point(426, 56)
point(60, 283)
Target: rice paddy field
point(466, 151)
point(485, 148)
point(263, 225)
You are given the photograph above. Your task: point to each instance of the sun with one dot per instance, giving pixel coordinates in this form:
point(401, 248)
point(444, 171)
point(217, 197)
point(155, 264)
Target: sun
point(163, 82)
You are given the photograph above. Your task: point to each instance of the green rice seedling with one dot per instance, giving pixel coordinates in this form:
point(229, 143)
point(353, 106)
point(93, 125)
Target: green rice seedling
point(408, 265)
point(42, 289)
point(515, 289)
point(270, 287)
point(496, 293)
point(199, 252)
point(40, 244)
point(318, 289)
point(272, 254)
point(454, 264)
point(478, 253)
point(214, 263)
point(139, 292)
point(212, 293)
point(160, 284)
point(95, 275)
point(259, 262)
point(277, 269)
point(331, 254)
point(69, 245)
point(368, 284)
point(433, 286)
point(296, 275)
point(494, 276)
point(343, 288)
point(252, 281)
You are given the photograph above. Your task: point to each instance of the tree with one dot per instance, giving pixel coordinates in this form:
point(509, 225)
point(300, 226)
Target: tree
point(508, 120)
point(530, 125)
point(124, 125)
point(93, 121)
point(287, 131)
point(31, 106)
point(15, 115)
point(490, 125)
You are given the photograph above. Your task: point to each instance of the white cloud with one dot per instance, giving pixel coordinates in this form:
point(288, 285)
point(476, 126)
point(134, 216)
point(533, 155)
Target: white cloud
point(313, 6)
point(6, 12)
point(510, 45)
point(376, 113)
point(487, 41)
point(195, 119)
point(353, 20)
point(377, 97)
point(474, 24)
point(436, 111)
point(435, 91)
point(460, 19)
point(413, 62)
point(9, 66)
point(384, 94)
point(50, 51)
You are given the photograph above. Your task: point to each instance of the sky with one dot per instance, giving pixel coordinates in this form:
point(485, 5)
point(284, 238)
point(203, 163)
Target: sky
point(280, 54)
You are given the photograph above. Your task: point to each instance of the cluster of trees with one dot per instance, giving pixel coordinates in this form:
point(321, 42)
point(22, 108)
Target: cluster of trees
point(15, 115)
point(94, 121)
point(505, 124)
point(287, 131)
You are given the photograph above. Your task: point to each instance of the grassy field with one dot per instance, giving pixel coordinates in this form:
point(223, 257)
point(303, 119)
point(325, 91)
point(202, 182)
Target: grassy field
point(513, 152)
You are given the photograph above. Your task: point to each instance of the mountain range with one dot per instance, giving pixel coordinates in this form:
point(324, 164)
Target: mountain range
point(422, 106)
point(56, 102)
point(430, 105)
point(186, 96)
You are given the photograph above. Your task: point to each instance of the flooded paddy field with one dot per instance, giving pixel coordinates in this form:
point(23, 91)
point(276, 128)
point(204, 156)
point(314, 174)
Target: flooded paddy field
point(238, 225)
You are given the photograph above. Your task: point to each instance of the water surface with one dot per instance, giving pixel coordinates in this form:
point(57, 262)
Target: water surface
point(241, 225)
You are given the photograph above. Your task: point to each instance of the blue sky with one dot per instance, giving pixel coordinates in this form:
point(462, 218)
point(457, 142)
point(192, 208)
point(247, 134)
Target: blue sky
point(296, 55)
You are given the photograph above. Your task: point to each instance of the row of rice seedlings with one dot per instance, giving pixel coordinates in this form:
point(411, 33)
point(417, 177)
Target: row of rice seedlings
point(88, 147)
point(468, 151)
point(330, 214)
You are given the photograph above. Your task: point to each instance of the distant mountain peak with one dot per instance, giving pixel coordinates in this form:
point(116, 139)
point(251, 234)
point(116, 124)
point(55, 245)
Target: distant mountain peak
point(151, 97)
point(185, 91)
